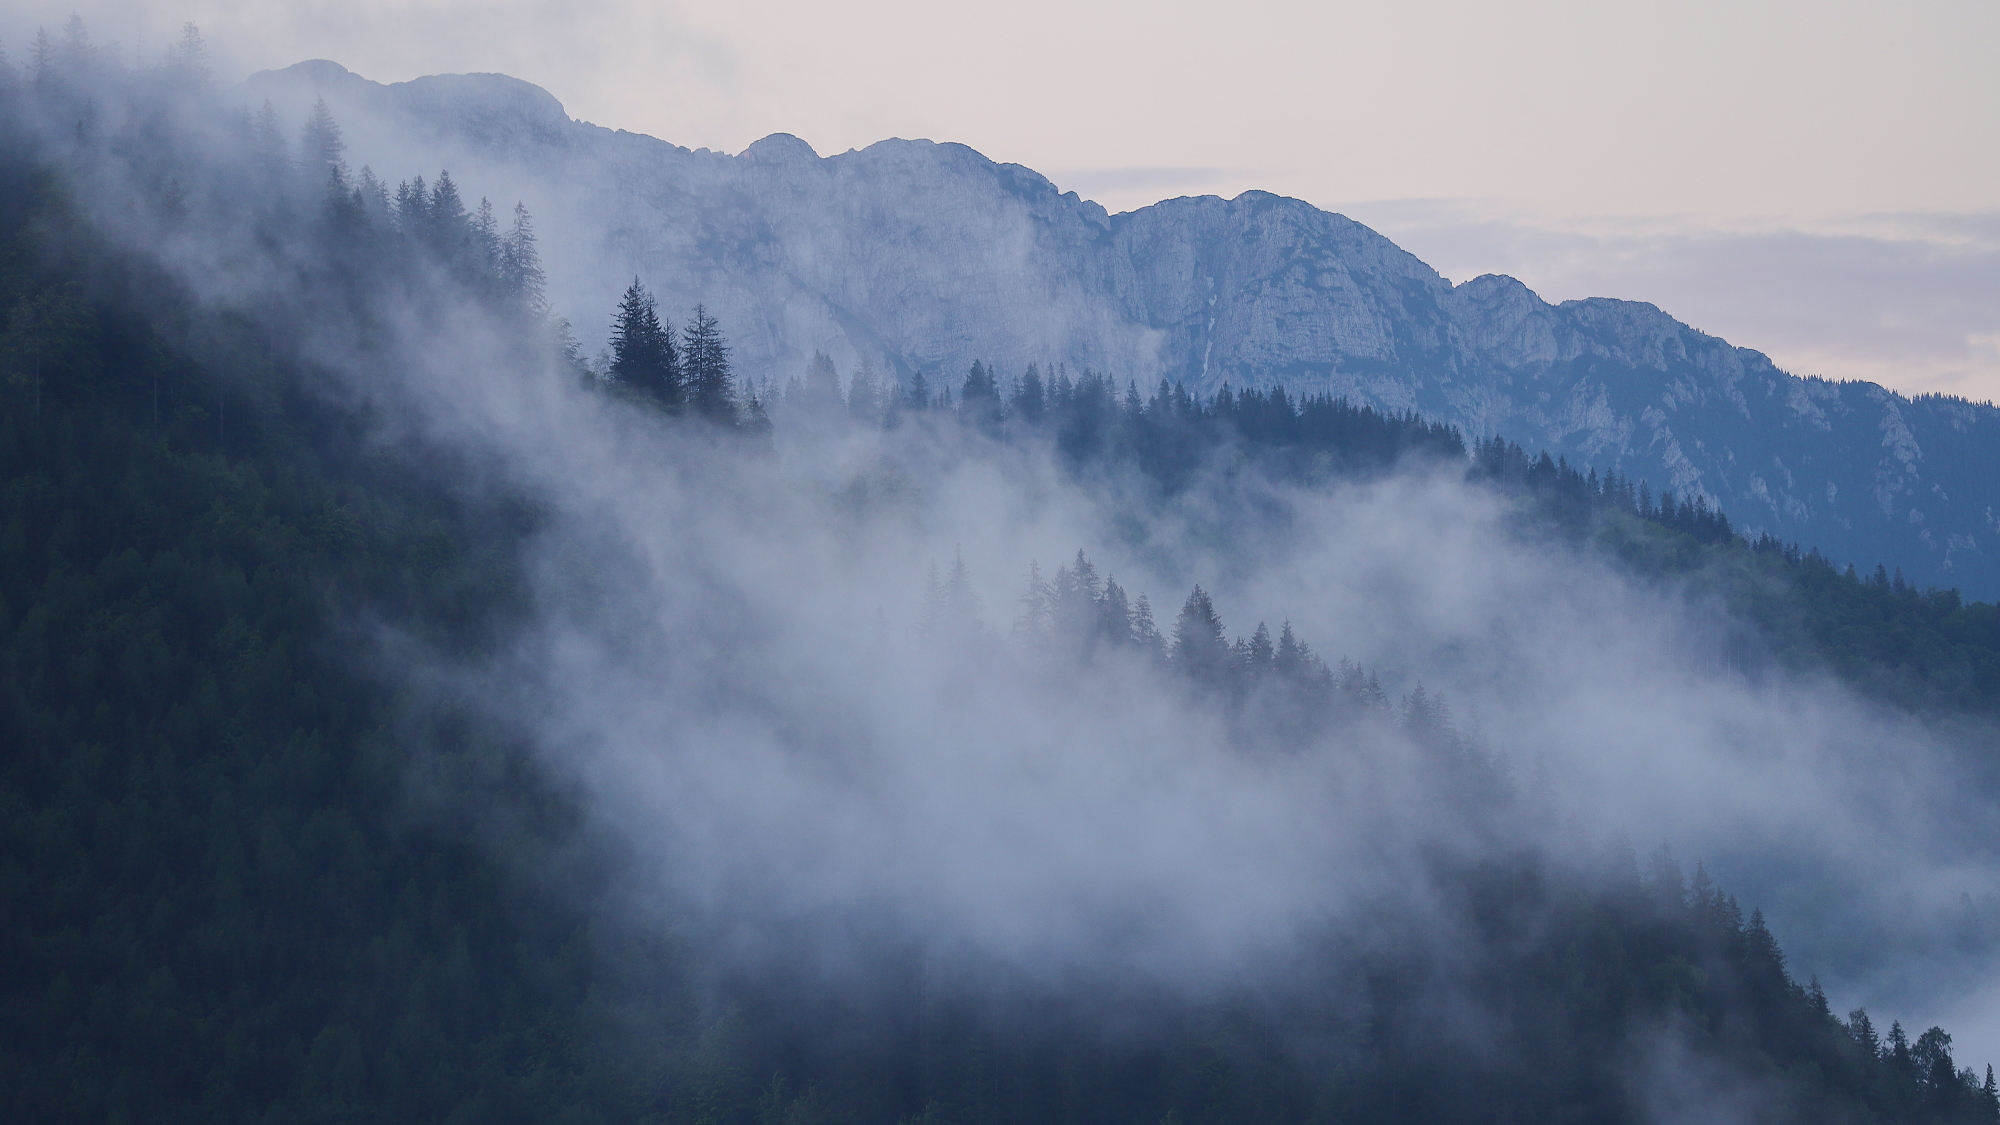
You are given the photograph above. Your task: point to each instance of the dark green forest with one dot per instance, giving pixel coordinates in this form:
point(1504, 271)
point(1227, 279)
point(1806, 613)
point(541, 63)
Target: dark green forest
point(228, 891)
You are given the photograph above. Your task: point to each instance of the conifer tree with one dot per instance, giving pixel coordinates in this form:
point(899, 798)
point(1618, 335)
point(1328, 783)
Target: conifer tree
point(486, 239)
point(1289, 658)
point(705, 362)
point(374, 197)
point(1760, 945)
point(642, 350)
point(819, 392)
point(273, 156)
point(1200, 649)
point(320, 146)
point(1703, 896)
point(521, 265)
point(1114, 613)
point(413, 207)
point(1030, 400)
point(42, 61)
point(1259, 654)
point(1897, 1050)
point(1145, 634)
point(187, 59)
point(756, 420)
point(1427, 717)
point(889, 397)
point(446, 225)
point(79, 54)
point(864, 394)
point(979, 399)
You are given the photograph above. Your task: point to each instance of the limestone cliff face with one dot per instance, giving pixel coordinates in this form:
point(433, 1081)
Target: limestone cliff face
point(913, 256)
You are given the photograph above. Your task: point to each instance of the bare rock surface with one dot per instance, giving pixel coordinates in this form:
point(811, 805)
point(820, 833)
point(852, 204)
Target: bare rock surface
point(914, 255)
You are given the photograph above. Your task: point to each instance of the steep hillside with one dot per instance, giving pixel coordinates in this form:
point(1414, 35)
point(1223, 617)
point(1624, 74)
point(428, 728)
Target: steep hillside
point(920, 256)
point(278, 490)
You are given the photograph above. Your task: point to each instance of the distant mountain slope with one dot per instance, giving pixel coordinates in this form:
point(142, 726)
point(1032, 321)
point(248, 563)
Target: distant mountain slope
point(914, 255)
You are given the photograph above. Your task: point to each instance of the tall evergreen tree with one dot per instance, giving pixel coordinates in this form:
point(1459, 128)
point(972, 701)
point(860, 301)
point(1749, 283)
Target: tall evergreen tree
point(413, 207)
point(1200, 650)
point(1290, 657)
point(979, 399)
point(1259, 655)
point(521, 265)
point(756, 421)
point(273, 156)
point(320, 146)
point(187, 59)
point(642, 350)
point(374, 197)
point(1145, 634)
point(42, 71)
point(486, 239)
point(705, 361)
point(1077, 609)
point(447, 227)
point(1030, 399)
point(1115, 613)
point(818, 394)
point(79, 54)
point(864, 394)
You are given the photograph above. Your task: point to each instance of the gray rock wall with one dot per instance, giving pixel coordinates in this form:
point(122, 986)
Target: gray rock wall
point(915, 256)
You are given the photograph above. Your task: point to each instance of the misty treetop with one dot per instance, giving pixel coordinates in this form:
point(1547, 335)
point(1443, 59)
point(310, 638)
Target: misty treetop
point(1286, 693)
point(1094, 422)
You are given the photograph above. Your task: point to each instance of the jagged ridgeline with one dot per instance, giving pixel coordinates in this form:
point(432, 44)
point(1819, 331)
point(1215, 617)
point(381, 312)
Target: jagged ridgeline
point(916, 255)
point(242, 877)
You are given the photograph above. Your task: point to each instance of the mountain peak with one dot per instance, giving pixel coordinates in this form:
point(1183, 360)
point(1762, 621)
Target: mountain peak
point(492, 108)
point(483, 101)
point(780, 148)
point(318, 74)
point(323, 70)
point(917, 255)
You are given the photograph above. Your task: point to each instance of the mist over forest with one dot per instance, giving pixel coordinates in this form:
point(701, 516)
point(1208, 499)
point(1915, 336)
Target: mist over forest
point(414, 714)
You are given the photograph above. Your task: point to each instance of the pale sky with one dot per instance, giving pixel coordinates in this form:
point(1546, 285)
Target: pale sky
point(1818, 180)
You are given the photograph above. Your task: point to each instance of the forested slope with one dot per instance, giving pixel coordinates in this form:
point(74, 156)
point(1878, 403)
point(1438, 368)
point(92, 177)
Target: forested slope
point(217, 906)
point(249, 870)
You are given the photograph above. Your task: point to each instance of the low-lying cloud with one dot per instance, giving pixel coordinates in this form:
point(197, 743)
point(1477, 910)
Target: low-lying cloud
point(723, 657)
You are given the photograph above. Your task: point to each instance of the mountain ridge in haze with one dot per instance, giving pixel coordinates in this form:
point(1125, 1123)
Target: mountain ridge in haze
point(915, 255)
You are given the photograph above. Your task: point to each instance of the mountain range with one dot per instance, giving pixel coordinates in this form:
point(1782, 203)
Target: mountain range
point(911, 255)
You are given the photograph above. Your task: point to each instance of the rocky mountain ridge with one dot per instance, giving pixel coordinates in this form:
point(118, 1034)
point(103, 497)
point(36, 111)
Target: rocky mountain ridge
point(913, 255)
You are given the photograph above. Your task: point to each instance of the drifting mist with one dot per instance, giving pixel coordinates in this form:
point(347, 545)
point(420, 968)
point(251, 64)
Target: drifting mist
point(729, 651)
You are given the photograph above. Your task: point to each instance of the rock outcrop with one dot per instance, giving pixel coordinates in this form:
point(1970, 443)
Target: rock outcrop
point(922, 256)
